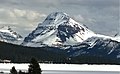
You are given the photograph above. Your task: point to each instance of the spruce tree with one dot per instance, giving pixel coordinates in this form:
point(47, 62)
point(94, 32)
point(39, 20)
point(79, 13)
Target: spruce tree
point(13, 70)
point(34, 67)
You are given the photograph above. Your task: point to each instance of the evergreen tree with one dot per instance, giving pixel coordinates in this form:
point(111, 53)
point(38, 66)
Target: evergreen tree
point(13, 70)
point(20, 72)
point(34, 67)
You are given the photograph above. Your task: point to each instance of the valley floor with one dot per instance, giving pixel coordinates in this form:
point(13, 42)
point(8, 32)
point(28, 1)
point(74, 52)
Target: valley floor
point(65, 68)
point(76, 72)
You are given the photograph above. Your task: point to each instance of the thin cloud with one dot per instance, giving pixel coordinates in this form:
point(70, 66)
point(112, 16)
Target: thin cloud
point(93, 13)
point(17, 15)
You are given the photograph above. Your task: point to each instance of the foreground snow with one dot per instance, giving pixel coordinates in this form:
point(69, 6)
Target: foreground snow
point(62, 67)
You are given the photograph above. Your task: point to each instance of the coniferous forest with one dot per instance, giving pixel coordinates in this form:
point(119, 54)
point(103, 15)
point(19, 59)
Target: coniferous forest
point(18, 54)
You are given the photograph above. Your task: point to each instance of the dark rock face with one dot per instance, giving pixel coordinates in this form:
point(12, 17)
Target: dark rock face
point(67, 31)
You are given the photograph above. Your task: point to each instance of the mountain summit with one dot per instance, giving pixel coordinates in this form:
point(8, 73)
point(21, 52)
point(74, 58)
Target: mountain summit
point(8, 35)
point(58, 29)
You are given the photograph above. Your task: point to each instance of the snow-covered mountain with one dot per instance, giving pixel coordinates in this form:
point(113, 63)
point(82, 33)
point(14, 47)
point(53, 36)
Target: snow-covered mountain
point(58, 29)
point(8, 35)
point(60, 34)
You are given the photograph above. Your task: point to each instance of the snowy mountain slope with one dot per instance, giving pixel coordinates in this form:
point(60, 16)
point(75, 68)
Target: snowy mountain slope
point(97, 47)
point(8, 35)
point(58, 29)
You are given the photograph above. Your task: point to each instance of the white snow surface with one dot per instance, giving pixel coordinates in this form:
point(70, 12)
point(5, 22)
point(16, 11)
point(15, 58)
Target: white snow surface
point(108, 37)
point(62, 67)
point(117, 38)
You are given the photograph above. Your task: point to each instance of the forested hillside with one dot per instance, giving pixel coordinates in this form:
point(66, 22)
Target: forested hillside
point(18, 53)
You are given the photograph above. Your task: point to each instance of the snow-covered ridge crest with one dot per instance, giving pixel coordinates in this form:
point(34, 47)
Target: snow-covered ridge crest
point(117, 38)
point(58, 29)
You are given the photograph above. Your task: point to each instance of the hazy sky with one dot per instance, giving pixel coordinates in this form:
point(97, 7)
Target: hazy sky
point(101, 16)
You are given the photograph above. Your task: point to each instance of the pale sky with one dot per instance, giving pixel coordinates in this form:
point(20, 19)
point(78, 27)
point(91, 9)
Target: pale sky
point(101, 16)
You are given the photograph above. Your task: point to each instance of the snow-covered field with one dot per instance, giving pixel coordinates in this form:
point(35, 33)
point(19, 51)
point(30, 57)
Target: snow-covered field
point(62, 67)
